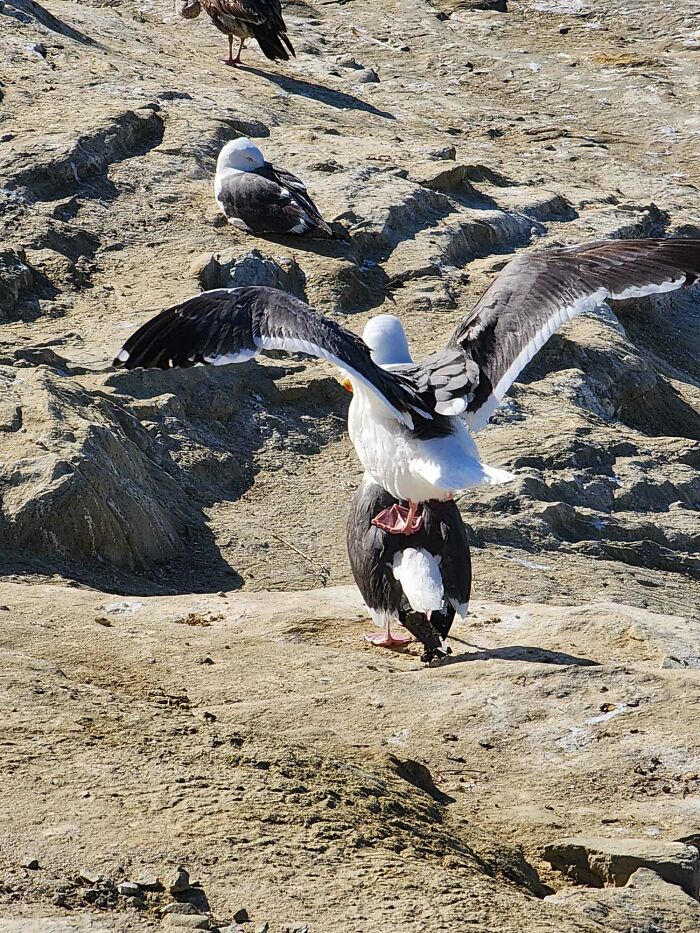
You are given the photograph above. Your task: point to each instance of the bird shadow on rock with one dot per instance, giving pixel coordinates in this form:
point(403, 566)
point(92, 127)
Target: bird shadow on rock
point(337, 248)
point(521, 653)
point(318, 92)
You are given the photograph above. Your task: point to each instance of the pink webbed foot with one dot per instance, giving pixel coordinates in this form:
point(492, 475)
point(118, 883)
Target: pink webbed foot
point(387, 640)
point(399, 520)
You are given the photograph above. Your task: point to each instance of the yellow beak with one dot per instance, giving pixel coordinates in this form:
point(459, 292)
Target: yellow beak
point(346, 384)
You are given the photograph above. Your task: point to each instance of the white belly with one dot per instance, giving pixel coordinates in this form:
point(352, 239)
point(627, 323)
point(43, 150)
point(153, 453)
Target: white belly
point(410, 468)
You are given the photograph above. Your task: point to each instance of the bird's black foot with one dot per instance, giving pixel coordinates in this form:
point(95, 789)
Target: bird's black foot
point(421, 628)
point(436, 656)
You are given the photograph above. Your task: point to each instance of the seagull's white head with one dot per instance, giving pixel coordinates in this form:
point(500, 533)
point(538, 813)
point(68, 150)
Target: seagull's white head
point(386, 339)
point(387, 342)
point(240, 154)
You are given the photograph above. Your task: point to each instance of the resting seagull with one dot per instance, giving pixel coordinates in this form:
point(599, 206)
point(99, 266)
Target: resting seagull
point(259, 197)
point(423, 580)
point(246, 19)
point(411, 423)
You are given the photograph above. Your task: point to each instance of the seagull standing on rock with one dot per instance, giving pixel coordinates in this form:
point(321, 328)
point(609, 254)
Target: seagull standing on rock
point(411, 423)
point(423, 579)
point(246, 19)
point(261, 198)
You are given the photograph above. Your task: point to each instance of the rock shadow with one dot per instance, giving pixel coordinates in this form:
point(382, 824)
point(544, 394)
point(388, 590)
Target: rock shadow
point(28, 11)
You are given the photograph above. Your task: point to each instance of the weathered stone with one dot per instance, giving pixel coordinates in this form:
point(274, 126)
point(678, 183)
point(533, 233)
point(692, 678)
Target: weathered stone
point(128, 889)
point(15, 277)
point(148, 882)
point(647, 904)
point(31, 863)
point(601, 861)
point(138, 903)
point(179, 907)
point(179, 882)
point(85, 450)
point(186, 922)
point(89, 876)
point(241, 915)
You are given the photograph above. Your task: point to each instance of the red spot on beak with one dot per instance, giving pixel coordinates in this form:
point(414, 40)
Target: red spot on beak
point(346, 384)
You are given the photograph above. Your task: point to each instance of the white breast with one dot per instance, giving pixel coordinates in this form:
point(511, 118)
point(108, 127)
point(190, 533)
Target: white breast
point(411, 468)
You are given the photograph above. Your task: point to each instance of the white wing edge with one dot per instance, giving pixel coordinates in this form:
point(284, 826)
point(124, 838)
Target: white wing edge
point(479, 419)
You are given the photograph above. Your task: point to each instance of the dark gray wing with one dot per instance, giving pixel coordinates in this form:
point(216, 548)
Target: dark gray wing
point(444, 519)
point(532, 297)
point(263, 206)
point(368, 551)
point(231, 325)
point(297, 189)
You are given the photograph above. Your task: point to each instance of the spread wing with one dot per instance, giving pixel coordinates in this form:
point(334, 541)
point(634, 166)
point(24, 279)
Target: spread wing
point(236, 324)
point(532, 297)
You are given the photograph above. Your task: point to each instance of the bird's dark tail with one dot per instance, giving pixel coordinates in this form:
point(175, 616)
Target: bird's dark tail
point(274, 45)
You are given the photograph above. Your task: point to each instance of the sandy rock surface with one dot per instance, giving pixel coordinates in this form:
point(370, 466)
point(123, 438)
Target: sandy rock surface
point(253, 738)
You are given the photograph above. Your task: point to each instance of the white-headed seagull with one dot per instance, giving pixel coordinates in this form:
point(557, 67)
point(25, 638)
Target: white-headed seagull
point(246, 19)
point(411, 423)
point(261, 198)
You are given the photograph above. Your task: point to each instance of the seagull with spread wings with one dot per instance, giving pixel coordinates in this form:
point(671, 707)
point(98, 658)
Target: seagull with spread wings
point(411, 423)
point(246, 19)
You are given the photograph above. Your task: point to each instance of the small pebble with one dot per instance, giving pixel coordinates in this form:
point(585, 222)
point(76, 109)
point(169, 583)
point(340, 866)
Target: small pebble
point(241, 916)
point(128, 889)
point(263, 928)
point(148, 882)
point(137, 902)
point(59, 900)
point(187, 921)
point(366, 76)
point(180, 881)
point(176, 907)
point(31, 863)
point(89, 876)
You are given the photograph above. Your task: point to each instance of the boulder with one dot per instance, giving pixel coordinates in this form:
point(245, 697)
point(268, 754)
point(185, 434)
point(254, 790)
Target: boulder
point(603, 862)
point(647, 904)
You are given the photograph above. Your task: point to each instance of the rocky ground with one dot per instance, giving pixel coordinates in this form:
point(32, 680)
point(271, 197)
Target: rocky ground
point(252, 737)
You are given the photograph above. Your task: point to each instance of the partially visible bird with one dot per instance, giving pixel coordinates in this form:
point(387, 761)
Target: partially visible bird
point(422, 580)
point(259, 197)
point(246, 19)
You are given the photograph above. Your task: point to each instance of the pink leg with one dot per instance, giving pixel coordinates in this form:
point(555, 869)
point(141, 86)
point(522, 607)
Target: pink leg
point(399, 520)
point(231, 60)
point(386, 640)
